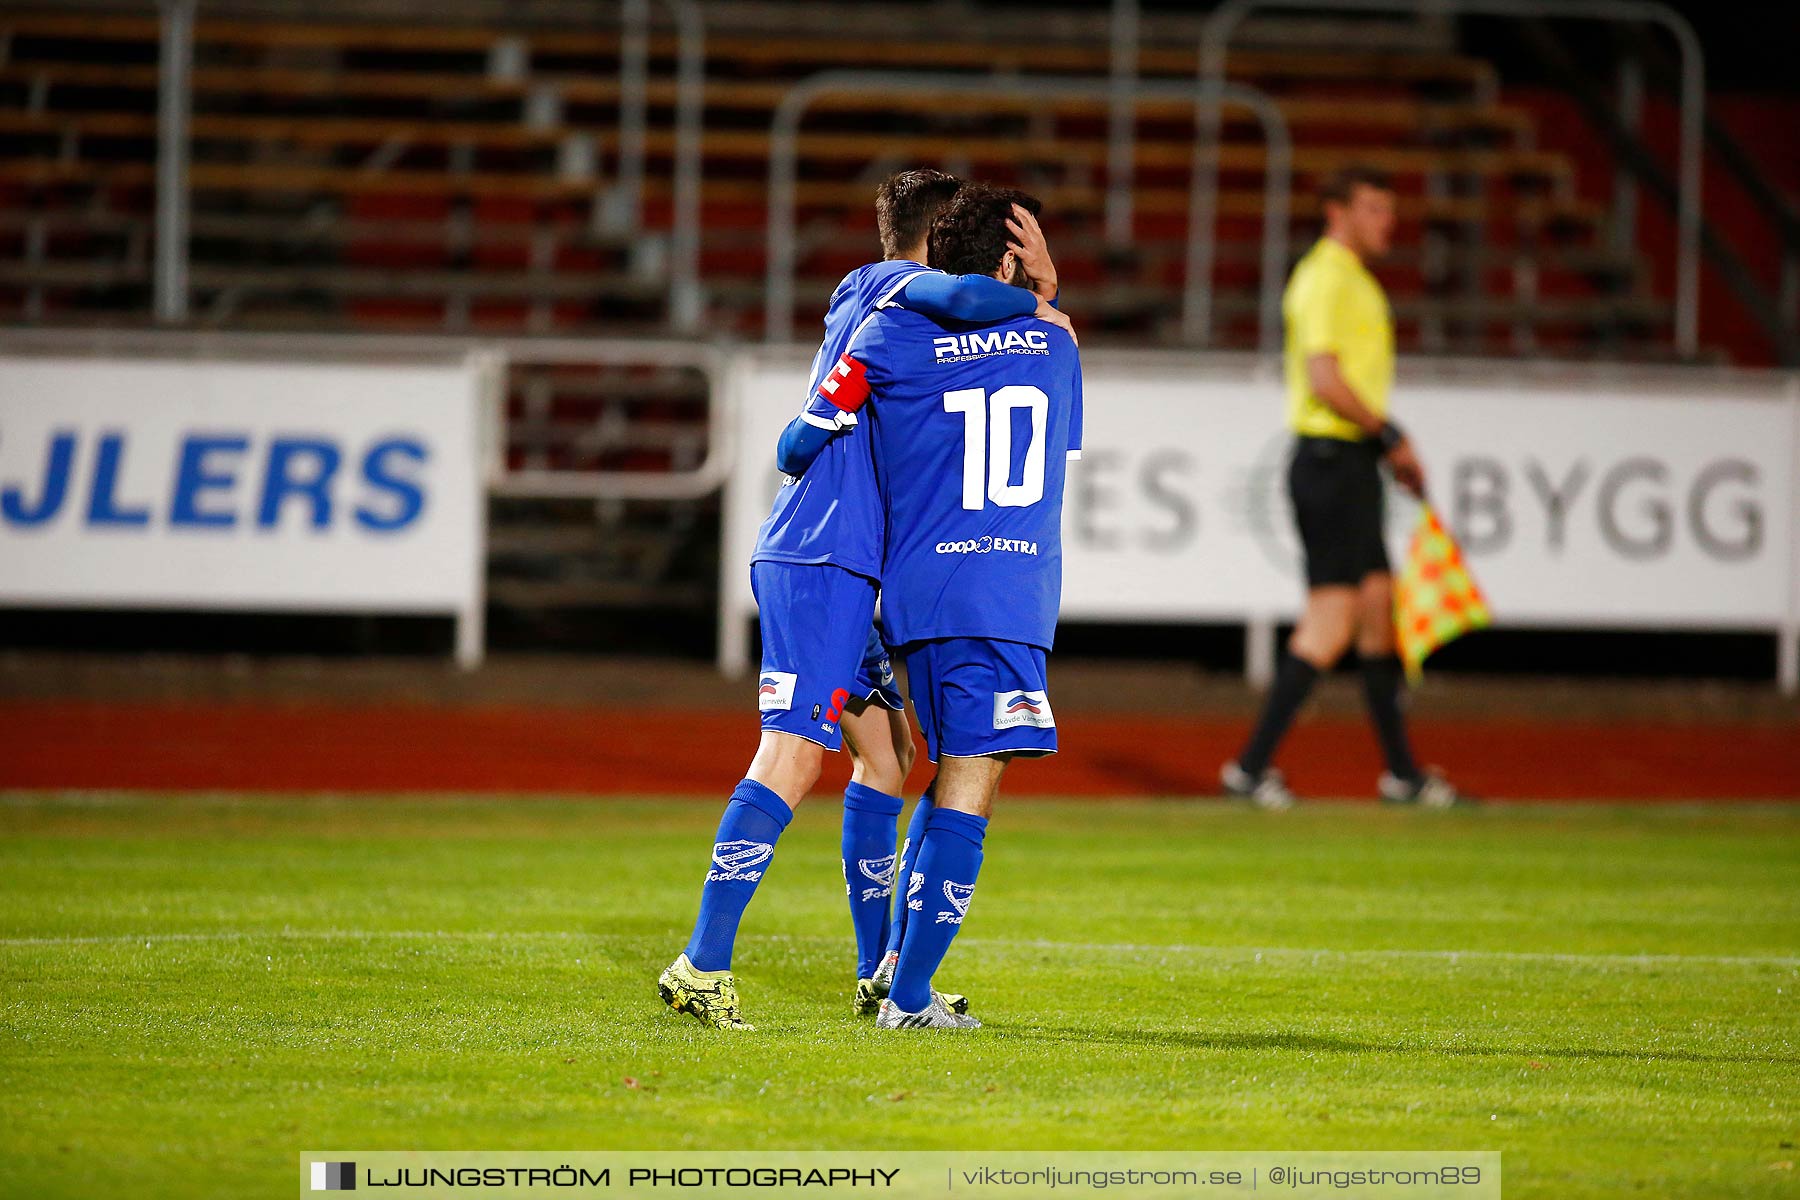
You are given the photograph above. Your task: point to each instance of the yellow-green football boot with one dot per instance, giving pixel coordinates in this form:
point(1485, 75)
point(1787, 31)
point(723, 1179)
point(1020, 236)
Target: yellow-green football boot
point(710, 997)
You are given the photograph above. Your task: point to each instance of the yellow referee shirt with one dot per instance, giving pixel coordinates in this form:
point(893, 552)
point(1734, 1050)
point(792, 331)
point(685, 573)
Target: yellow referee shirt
point(1334, 306)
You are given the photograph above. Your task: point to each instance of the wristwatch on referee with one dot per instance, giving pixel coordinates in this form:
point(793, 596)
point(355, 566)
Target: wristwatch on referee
point(1389, 435)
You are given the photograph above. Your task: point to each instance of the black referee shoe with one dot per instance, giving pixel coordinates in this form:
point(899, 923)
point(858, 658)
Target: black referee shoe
point(1430, 790)
point(1268, 791)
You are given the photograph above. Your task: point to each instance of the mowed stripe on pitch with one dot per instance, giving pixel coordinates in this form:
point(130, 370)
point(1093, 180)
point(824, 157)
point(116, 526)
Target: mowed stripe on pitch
point(1135, 949)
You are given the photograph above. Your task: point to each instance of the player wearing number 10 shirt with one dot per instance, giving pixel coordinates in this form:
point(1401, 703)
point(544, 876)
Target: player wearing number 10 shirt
point(971, 431)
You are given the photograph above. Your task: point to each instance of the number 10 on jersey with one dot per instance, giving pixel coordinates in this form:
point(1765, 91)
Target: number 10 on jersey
point(988, 445)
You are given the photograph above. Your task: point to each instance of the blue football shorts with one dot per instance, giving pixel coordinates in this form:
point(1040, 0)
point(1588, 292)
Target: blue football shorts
point(978, 696)
point(875, 679)
point(819, 648)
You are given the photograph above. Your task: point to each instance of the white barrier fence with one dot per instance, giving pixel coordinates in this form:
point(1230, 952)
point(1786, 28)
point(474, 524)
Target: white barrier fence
point(276, 486)
point(1583, 499)
point(1660, 500)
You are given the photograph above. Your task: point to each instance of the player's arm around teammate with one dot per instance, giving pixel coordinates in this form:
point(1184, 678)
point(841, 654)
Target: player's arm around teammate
point(825, 675)
point(875, 727)
point(876, 731)
point(972, 568)
point(814, 571)
point(874, 724)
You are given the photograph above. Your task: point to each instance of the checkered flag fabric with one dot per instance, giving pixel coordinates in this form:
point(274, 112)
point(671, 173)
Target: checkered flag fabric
point(1435, 599)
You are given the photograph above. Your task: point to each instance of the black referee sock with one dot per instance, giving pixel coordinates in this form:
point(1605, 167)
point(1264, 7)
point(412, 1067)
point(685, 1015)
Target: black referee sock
point(1294, 680)
point(1382, 686)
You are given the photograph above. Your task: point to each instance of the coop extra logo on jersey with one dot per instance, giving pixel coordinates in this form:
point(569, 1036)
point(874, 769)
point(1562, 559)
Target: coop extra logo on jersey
point(734, 860)
point(220, 480)
point(775, 691)
point(1012, 709)
point(987, 545)
point(962, 347)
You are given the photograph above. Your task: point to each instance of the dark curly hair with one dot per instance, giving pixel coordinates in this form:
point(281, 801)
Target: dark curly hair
point(905, 205)
point(969, 237)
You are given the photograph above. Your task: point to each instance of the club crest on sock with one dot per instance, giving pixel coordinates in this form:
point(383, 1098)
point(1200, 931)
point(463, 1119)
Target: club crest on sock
point(879, 871)
point(914, 886)
point(735, 860)
point(959, 895)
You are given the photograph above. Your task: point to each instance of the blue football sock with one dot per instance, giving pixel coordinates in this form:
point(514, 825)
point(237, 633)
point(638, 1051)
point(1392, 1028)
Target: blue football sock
point(903, 867)
point(753, 820)
point(949, 861)
point(870, 818)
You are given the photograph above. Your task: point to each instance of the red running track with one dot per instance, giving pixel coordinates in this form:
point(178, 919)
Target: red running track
point(269, 748)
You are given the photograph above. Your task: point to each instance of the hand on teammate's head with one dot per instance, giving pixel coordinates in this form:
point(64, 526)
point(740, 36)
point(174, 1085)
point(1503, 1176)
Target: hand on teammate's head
point(973, 235)
point(1032, 251)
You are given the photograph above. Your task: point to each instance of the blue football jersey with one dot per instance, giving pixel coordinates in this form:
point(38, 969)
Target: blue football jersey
point(832, 514)
point(970, 431)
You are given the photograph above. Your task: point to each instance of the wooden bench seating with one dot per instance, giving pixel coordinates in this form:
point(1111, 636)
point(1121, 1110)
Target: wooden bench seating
point(1067, 202)
point(1301, 113)
point(799, 54)
point(1088, 152)
point(398, 175)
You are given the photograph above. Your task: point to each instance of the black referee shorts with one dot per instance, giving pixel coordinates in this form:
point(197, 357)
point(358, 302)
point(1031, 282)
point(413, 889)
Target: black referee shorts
point(1336, 489)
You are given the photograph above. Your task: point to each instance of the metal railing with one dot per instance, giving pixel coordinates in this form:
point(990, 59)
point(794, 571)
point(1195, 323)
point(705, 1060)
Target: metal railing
point(175, 103)
point(690, 106)
point(784, 149)
point(1122, 89)
point(1216, 37)
point(713, 470)
point(498, 354)
point(1121, 124)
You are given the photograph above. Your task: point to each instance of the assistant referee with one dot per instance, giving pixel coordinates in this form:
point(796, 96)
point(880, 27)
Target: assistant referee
point(1340, 368)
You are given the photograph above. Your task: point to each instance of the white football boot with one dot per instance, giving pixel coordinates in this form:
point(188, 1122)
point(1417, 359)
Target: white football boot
point(937, 1015)
point(1268, 791)
point(1432, 791)
point(872, 991)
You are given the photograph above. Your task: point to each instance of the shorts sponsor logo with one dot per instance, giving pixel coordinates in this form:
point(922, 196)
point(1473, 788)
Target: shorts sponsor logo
point(839, 698)
point(775, 691)
point(988, 545)
point(964, 346)
point(1012, 709)
point(880, 668)
point(734, 861)
point(959, 895)
point(914, 886)
point(880, 871)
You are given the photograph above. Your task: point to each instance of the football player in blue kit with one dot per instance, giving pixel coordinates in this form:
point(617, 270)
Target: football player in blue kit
point(825, 674)
point(970, 432)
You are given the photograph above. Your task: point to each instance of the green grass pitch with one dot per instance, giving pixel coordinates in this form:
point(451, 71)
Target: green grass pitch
point(200, 988)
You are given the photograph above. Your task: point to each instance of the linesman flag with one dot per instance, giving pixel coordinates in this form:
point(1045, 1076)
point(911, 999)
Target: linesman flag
point(1436, 600)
